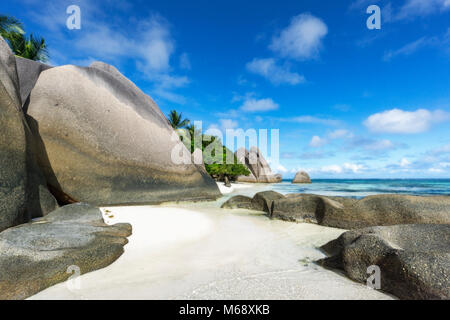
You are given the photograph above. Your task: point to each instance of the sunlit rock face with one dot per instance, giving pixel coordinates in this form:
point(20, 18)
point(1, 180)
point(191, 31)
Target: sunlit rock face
point(106, 142)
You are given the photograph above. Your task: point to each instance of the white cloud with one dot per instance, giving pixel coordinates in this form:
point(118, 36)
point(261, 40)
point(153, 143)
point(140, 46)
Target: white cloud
point(353, 167)
point(400, 121)
point(405, 163)
point(228, 124)
point(339, 134)
point(414, 8)
point(254, 105)
point(302, 39)
point(317, 142)
point(276, 74)
point(408, 49)
point(314, 120)
point(331, 169)
point(281, 169)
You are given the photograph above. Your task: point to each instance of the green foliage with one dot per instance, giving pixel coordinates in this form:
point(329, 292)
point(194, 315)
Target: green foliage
point(29, 47)
point(176, 120)
point(231, 170)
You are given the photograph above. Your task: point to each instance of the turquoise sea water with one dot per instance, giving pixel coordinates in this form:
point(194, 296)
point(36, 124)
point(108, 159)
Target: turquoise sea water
point(361, 188)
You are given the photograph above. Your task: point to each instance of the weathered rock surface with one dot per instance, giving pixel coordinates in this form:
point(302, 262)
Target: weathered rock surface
point(106, 142)
point(23, 192)
point(28, 72)
point(262, 201)
point(238, 202)
point(377, 210)
point(414, 259)
point(258, 166)
point(301, 177)
point(37, 255)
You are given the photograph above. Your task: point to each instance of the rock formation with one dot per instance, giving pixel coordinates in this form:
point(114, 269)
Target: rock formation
point(106, 142)
point(346, 213)
point(37, 255)
point(261, 201)
point(23, 191)
point(414, 260)
point(301, 177)
point(260, 171)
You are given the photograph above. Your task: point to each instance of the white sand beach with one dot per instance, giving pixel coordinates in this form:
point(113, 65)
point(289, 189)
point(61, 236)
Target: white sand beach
point(199, 251)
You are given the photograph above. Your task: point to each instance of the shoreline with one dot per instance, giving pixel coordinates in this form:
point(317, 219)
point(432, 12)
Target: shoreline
point(199, 251)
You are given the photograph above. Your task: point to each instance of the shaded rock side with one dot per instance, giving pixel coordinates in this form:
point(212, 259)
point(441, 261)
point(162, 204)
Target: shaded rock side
point(28, 72)
point(374, 210)
point(414, 260)
point(301, 177)
point(37, 255)
point(106, 142)
point(23, 192)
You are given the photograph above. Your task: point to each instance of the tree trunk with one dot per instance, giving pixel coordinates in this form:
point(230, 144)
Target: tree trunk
point(227, 181)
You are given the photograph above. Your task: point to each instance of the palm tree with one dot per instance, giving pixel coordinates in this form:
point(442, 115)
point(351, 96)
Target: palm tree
point(33, 48)
point(10, 24)
point(176, 120)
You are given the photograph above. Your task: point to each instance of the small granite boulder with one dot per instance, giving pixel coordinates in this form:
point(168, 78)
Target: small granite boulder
point(238, 202)
point(258, 166)
point(262, 201)
point(414, 260)
point(37, 255)
point(301, 177)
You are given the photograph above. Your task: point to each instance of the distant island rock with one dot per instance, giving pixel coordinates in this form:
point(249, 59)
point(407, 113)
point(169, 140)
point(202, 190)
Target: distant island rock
point(302, 177)
point(260, 171)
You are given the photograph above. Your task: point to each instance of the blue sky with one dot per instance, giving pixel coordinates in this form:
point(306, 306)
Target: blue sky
point(349, 102)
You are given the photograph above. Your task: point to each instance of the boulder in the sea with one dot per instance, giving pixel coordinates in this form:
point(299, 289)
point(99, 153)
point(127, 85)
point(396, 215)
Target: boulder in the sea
point(414, 259)
point(258, 166)
point(23, 191)
point(301, 177)
point(238, 202)
point(106, 142)
point(37, 255)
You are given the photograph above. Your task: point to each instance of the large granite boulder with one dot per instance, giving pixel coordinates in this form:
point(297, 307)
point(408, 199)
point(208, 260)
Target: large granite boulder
point(414, 260)
point(37, 255)
point(301, 177)
point(23, 192)
point(258, 166)
point(377, 210)
point(28, 72)
point(106, 142)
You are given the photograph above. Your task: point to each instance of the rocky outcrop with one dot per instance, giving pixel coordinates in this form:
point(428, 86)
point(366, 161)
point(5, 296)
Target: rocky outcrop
point(28, 72)
point(377, 210)
point(238, 202)
point(414, 260)
point(262, 201)
point(258, 166)
point(106, 142)
point(301, 177)
point(37, 255)
point(23, 191)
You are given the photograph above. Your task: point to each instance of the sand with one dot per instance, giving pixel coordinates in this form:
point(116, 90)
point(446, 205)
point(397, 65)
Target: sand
point(199, 251)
